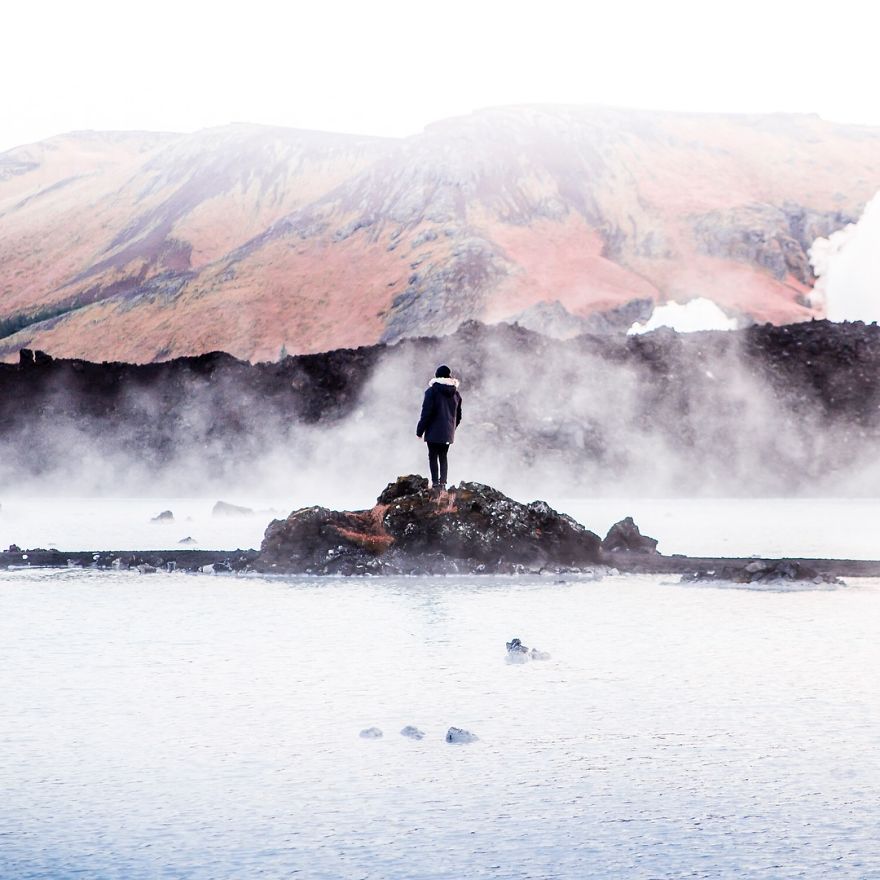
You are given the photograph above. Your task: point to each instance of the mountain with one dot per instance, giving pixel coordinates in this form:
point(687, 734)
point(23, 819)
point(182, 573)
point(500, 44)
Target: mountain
point(145, 246)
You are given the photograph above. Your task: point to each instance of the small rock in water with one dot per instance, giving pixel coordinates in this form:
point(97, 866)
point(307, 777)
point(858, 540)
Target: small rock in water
point(224, 508)
point(459, 735)
point(164, 517)
point(625, 537)
point(517, 652)
point(144, 568)
point(370, 733)
point(188, 540)
point(412, 732)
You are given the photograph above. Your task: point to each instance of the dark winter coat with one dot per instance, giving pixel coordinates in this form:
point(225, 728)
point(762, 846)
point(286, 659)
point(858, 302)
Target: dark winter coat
point(441, 411)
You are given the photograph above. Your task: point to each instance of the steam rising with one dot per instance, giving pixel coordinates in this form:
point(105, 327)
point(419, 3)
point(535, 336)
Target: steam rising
point(847, 265)
point(542, 418)
point(690, 317)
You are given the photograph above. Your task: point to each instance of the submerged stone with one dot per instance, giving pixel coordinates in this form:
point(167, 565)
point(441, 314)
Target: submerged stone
point(224, 508)
point(517, 652)
point(460, 735)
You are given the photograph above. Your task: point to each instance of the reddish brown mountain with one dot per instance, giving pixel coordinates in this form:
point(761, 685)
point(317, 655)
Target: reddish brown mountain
point(146, 246)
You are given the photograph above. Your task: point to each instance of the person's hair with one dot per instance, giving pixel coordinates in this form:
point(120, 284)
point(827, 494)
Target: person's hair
point(442, 372)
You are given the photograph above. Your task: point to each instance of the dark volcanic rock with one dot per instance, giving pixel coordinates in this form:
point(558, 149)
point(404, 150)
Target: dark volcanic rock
point(625, 537)
point(402, 487)
point(472, 528)
point(125, 560)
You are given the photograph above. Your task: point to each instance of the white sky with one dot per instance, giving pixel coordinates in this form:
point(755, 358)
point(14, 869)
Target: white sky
point(390, 67)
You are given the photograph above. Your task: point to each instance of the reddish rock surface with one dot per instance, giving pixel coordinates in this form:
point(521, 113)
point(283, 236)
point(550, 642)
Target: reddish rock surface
point(142, 247)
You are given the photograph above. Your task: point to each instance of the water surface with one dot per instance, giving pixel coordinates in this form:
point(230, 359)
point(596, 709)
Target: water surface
point(207, 727)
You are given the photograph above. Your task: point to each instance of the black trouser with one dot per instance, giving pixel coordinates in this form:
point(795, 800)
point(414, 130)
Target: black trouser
point(437, 456)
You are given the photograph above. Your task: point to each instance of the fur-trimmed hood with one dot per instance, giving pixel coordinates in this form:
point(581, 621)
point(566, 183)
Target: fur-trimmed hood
point(441, 410)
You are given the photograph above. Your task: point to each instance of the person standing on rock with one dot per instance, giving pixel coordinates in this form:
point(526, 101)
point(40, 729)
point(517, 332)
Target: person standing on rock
point(441, 415)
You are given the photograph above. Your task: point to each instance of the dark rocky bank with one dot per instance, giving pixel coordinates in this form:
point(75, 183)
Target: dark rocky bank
point(144, 561)
point(765, 410)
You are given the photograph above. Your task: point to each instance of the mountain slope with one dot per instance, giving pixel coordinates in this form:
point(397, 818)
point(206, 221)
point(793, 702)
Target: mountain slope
point(249, 239)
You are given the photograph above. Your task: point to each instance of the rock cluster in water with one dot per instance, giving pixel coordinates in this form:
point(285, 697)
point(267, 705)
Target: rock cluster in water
point(762, 571)
point(473, 528)
point(517, 652)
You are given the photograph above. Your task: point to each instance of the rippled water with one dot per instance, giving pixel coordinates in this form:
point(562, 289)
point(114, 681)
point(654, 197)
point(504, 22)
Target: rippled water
point(207, 727)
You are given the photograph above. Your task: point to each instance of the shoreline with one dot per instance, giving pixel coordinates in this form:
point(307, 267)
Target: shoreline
point(631, 563)
point(240, 560)
point(168, 560)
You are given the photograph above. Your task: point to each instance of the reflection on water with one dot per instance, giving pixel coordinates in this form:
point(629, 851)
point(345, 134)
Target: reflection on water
point(199, 727)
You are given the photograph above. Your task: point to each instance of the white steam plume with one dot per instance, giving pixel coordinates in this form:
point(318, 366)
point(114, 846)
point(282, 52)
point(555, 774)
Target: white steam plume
point(847, 266)
point(690, 317)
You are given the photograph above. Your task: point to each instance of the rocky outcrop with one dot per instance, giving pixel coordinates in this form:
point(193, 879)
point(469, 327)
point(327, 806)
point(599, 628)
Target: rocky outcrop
point(471, 529)
point(625, 537)
point(777, 238)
